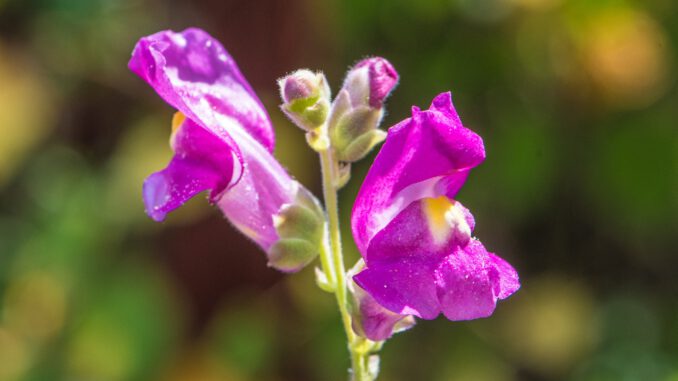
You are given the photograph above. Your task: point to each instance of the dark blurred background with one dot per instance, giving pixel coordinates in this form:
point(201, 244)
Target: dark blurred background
point(576, 100)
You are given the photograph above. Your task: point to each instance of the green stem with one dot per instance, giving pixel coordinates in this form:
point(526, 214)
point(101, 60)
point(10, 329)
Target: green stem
point(358, 357)
point(326, 262)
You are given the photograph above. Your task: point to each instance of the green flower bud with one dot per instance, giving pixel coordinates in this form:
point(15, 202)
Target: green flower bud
point(306, 98)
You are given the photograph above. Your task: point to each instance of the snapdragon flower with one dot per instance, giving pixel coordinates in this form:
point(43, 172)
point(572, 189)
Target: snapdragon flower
point(223, 142)
point(415, 238)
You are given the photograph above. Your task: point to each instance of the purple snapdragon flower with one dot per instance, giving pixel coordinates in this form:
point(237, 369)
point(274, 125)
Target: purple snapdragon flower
point(222, 140)
point(416, 240)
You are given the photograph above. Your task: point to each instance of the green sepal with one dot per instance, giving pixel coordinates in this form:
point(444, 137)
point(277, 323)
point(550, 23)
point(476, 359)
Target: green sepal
point(301, 104)
point(298, 221)
point(343, 175)
point(361, 146)
point(322, 281)
point(300, 227)
point(308, 113)
point(340, 106)
point(291, 254)
point(354, 124)
point(317, 140)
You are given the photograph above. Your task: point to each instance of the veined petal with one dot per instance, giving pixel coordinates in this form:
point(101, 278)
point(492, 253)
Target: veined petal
point(202, 161)
point(263, 189)
point(193, 72)
point(427, 155)
point(470, 281)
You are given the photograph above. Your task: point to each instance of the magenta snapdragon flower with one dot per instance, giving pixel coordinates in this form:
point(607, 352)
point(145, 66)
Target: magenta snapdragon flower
point(415, 238)
point(222, 138)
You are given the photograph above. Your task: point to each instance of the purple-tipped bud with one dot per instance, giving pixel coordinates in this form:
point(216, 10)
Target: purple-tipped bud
point(306, 98)
point(298, 85)
point(382, 79)
point(359, 107)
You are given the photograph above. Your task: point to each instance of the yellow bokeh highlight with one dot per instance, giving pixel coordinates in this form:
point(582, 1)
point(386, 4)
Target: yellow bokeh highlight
point(35, 305)
point(100, 351)
point(626, 54)
point(25, 110)
point(550, 325)
point(14, 356)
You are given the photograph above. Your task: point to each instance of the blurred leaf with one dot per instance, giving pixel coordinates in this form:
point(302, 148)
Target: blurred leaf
point(633, 175)
point(245, 340)
point(127, 331)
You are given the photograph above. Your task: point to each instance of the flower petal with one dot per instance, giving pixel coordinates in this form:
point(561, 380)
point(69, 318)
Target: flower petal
point(404, 286)
point(470, 281)
point(427, 155)
point(374, 321)
point(202, 161)
point(508, 282)
point(263, 189)
point(412, 235)
point(193, 72)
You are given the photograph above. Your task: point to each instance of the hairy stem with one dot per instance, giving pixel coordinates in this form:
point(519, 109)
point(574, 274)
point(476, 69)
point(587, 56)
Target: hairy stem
point(326, 262)
point(358, 358)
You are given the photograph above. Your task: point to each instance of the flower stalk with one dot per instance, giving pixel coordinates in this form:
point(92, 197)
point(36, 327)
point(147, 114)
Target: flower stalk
point(356, 344)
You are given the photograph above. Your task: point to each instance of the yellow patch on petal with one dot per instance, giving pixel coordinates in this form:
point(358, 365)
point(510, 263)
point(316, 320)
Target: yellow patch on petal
point(444, 218)
point(177, 120)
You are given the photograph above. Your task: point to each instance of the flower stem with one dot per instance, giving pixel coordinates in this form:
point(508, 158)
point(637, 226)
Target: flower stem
point(358, 358)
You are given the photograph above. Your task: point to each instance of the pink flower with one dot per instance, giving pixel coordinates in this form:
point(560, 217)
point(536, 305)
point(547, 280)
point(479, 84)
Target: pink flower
point(415, 238)
point(222, 140)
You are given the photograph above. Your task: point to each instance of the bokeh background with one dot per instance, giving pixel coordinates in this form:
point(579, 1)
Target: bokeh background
point(576, 100)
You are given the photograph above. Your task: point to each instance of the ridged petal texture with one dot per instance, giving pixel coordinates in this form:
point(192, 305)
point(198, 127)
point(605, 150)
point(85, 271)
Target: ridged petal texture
point(416, 240)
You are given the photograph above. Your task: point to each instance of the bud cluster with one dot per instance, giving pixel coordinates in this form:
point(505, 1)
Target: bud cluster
point(350, 124)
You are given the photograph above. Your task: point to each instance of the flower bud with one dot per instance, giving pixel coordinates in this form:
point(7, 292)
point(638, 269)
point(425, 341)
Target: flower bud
point(358, 109)
point(300, 227)
point(299, 85)
point(370, 81)
point(382, 79)
point(306, 98)
point(353, 131)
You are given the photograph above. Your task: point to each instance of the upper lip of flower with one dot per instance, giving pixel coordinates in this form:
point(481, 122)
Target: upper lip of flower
point(419, 159)
point(223, 142)
point(193, 72)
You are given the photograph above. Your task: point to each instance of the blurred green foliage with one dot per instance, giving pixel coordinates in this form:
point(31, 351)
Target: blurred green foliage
point(578, 106)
